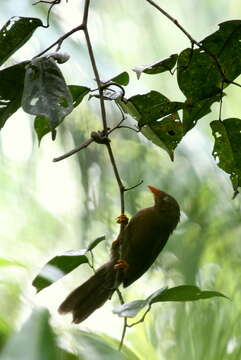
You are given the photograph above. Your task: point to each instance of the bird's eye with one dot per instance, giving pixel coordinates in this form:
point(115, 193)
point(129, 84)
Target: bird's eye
point(166, 198)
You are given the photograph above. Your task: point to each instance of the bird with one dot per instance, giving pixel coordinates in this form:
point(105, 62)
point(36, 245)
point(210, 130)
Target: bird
point(132, 253)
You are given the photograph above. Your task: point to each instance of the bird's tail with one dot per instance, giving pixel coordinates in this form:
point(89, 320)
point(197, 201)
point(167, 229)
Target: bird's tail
point(92, 294)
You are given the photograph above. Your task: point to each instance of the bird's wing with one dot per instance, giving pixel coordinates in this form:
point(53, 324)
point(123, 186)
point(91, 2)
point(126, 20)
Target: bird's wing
point(142, 242)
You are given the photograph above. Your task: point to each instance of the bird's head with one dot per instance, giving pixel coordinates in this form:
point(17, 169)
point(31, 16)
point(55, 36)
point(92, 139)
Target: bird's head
point(165, 202)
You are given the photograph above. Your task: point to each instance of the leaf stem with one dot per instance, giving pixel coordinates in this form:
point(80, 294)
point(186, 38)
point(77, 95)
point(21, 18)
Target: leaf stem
point(142, 318)
point(221, 104)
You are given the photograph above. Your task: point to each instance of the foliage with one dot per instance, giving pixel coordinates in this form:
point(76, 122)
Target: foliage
point(202, 74)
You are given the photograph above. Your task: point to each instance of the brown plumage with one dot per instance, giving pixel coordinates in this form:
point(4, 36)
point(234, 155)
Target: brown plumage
point(142, 240)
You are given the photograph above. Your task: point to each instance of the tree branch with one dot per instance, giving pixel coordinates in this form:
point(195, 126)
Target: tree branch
point(75, 150)
point(60, 40)
point(101, 136)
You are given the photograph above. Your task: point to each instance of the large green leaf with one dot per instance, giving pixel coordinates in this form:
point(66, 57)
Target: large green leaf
point(58, 267)
point(184, 293)
point(41, 123)
point(225, 45)
point(227, 148)
point(166, 133)
point(45, 91)
point(15, 33)
point(150, 107)
point(121, 79)
point(197, 75)
point(157, 118)
point(11, 89)
point(35, 341)
point(179, 293)
point(192, 112)
point(95, 242)
point(102, 347)
point(157, 67)
point(63, 264)
point(200, 71)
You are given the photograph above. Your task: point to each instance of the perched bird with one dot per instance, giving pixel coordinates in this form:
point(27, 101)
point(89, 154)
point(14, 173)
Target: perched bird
point(134, 251)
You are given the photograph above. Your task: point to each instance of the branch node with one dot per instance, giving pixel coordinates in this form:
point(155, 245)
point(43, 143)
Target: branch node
point(100, 137)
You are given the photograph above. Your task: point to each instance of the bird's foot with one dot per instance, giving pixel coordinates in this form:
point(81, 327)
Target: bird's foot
point(122, 219)
point(121, 264)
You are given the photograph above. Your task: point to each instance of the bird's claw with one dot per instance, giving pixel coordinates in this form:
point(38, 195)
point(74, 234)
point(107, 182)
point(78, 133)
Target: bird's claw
point(122, 219)
point(121, 264)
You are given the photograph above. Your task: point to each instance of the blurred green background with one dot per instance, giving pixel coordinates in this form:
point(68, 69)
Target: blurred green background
point(48, 207)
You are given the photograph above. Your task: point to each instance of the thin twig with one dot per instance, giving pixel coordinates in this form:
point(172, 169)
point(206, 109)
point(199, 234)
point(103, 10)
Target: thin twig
point(234, 83)
point(51, 3)
point(87, 142)
point(102, 106)
point(142, 319)
point(75, 150)
point(125, 325)
point(128, 127)
point(118, 179)
point(60, 40)
point(107, 143)
point(134, 186)
point(174, 21)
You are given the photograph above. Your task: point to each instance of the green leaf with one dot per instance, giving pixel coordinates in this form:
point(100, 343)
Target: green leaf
point(94, 243)
point(11, 89)
point(78, 93)
point(166, 133)
point(197, 75)
point(157, 67)
point(121, 79)
point(42, 127)
point(227, 148)
point(35, 341)
point(179, 293)
point(58, 267)
point(192, 112)
point(63, 264)
point(199, 71)
point(102, 347)
point(41, 123)
point(157, 118)
point(45, 92)
point(225, 45)
point(15, 33)
point(185, 293)
point(148, 108)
